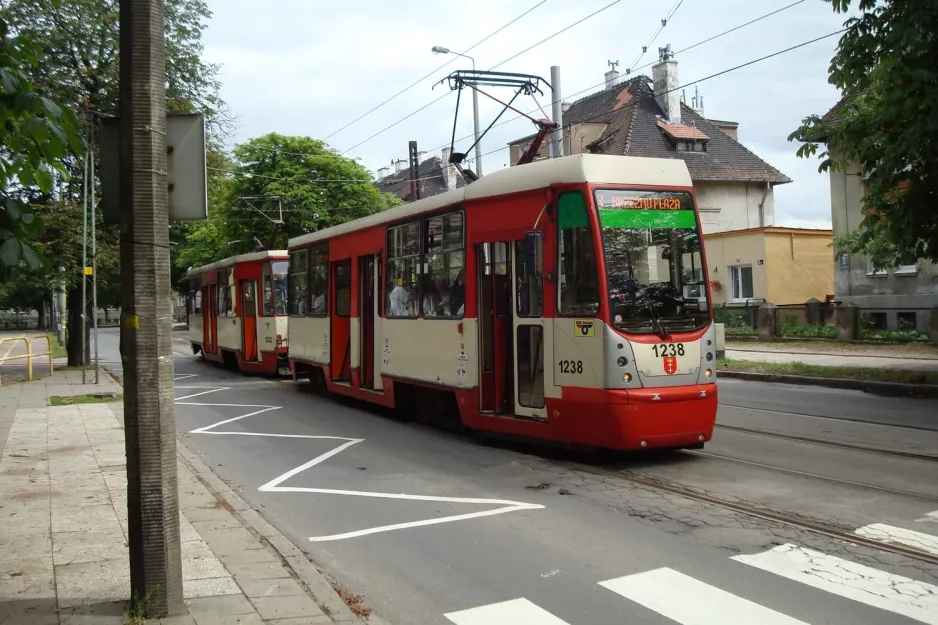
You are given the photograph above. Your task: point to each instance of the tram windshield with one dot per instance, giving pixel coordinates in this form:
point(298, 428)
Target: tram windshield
point(653, 257)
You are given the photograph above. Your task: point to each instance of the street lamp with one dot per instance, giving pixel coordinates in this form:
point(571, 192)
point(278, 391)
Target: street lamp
point(475, 105)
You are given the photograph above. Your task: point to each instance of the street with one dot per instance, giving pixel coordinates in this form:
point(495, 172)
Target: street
point(433, 527)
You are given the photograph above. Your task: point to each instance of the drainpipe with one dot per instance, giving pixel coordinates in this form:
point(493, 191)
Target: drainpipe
point(765, 194)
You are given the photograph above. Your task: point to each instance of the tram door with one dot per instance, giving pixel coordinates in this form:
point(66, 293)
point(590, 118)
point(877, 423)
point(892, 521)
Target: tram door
point(341, 325)
point(368, 282)
point(528, 333)
point(249, 320)
point(497, 372)
point(209, 319)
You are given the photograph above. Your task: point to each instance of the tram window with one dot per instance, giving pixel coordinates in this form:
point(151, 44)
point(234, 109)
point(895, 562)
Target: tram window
point(576, 256)
point(529, 288)
point(319, 279)
point(444, 282)
point(275, 287)
point(195, 296)
point(297, 283)
point(402, 271)
point(225, 307)
point(343, 289)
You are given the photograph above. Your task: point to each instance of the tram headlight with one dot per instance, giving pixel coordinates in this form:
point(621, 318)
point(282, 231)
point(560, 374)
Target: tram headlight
point(626, 377)
point(622, 361)
point(708, 373)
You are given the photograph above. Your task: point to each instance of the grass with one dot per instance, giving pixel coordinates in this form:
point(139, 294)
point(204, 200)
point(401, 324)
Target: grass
point(865, 374)
point(101, 398)
point(58, 351)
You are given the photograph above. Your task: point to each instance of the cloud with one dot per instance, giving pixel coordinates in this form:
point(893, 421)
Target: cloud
point(309, 68)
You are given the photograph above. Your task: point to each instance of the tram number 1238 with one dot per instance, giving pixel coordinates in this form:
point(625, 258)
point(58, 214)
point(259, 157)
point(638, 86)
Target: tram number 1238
point(668, 349)
point(571, 366)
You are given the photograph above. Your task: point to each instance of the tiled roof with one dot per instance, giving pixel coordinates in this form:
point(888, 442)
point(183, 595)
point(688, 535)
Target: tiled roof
point(430, 181)
point(635, 127)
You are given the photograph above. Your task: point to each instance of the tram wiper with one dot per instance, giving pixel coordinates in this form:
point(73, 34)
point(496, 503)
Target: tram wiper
point(656, 323)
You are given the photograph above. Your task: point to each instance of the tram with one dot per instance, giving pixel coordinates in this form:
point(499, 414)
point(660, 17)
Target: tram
point(565, 299)
point(238, 311)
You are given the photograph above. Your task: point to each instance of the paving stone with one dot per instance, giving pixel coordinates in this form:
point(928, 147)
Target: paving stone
point(222, 522)
point(107, 613)
point(206, 513)
point(27, 588)
point(209, 587)
point(259, 570)
point(92, 582)
point(286, 607)
point(241, 619)
point(184, 619)
point(303, 620)
point(198, 562)
point(38, 564)
point(220, 606)
point(251, 556)
point(279, 587)
point(231, 540)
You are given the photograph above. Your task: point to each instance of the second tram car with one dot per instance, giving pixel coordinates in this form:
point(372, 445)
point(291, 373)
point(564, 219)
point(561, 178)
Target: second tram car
point(565, 299)
point(238, 311)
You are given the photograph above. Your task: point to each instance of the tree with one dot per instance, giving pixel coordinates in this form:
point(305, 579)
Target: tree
point(886, 124)
point(36, 134)
point(80, 69)
point(316, 188)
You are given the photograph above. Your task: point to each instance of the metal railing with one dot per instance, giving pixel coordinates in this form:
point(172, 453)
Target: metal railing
point(29, 355)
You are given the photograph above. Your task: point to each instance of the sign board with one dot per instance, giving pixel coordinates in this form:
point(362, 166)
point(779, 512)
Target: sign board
point(185, 176)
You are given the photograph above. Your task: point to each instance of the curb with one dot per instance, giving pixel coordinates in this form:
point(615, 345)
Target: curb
point(870, 386)
point(749, 350)
point(292, 557)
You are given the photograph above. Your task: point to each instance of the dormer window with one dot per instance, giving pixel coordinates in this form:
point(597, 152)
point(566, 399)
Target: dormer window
point(683, 137)
point(690, 146)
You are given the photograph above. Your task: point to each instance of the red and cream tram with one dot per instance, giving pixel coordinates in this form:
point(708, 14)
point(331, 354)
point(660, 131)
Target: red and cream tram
point(565, 299)
point(238, 311)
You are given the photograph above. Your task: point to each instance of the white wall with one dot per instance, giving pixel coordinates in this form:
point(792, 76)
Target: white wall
point(733, 205)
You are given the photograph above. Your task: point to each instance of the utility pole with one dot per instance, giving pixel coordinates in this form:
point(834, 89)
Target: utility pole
point(94, 261)
point(556, 140)
point(84, 265)
point(146, 326)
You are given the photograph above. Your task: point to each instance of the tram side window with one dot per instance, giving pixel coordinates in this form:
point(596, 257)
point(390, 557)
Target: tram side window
point(403, 267)
point(195, 296)
point(576, 254)
point(225, 307)
point(297, 283)
point(319, 279)
point(443, 288)
point(275, 287)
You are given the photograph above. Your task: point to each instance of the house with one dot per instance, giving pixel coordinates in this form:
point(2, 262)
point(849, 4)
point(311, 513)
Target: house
point(888, 295)
point(433, 177)
point(646, 117)
point(773, 264)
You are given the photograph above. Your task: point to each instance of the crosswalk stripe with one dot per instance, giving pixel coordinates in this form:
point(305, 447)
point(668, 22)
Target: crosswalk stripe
point(891, 534)
point(514, 612)
point(895, 593)
point(931, 517)
point(691, 602)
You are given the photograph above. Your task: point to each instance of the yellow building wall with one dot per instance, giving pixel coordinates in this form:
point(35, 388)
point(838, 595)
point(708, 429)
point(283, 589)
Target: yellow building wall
point(799, 267)
point(724, 252)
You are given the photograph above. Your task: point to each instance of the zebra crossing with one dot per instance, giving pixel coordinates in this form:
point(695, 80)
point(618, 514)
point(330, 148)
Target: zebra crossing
point(690, 601)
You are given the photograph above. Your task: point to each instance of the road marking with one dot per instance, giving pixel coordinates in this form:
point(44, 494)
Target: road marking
point(931, 517)
point(699, 604)
point(184, 376)
point(895, 593)
point(891, 534)
point(514, 612)
point(274, 485)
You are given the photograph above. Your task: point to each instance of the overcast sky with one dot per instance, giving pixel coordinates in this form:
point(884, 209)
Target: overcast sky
point(309, 67)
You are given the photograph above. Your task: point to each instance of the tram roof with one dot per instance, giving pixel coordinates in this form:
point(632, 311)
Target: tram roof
point(578, 168)
point(241, 258)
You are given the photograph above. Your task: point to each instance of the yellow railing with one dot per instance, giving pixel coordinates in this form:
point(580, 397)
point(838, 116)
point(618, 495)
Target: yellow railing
point(29, 355)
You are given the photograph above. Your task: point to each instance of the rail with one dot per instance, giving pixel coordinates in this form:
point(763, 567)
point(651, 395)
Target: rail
point(29, 355)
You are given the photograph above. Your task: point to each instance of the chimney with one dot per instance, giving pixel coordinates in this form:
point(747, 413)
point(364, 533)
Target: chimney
point(612, 75)
point(399, 166)
point(565, 106)
point(420, 157)
point(383, 173)
point(449, 171)
point(664, 75)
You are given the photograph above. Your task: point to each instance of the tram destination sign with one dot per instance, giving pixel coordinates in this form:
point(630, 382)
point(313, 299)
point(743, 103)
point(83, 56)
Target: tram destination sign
point(642, 200)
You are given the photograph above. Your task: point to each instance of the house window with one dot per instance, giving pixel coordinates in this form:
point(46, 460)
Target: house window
point(741, 283)
point(844, 260)
point(907, 270)
point(873, 270)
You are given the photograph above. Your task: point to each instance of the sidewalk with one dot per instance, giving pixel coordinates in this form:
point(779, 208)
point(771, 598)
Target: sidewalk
point(63, 526)
point(781, 353)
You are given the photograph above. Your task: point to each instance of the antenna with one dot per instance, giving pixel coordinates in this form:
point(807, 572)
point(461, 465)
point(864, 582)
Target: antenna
point(612, 64)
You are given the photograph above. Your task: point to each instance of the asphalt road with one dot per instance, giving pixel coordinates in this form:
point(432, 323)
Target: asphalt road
point(434, 528)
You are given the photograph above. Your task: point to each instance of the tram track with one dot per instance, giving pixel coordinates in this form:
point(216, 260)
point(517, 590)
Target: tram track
point(827, 418)
point(828, 530)
point(829, 443)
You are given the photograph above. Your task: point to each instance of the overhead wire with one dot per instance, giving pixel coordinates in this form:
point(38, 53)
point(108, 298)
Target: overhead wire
point(420, 80)
point(690, 47)
point(654, 37)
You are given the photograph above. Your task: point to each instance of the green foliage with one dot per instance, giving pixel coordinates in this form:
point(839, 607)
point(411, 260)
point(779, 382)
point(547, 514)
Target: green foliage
point(885, 67)
point(809, 331)
point(36, 134)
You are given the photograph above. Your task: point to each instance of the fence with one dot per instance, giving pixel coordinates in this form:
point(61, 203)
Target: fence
point(14, 343)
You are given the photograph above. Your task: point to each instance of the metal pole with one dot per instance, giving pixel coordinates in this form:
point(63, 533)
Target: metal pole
point(84, 264)
point(60, 295)
point(556, 139)
point(146, 314)
point(475, 115)
point(94, 261)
